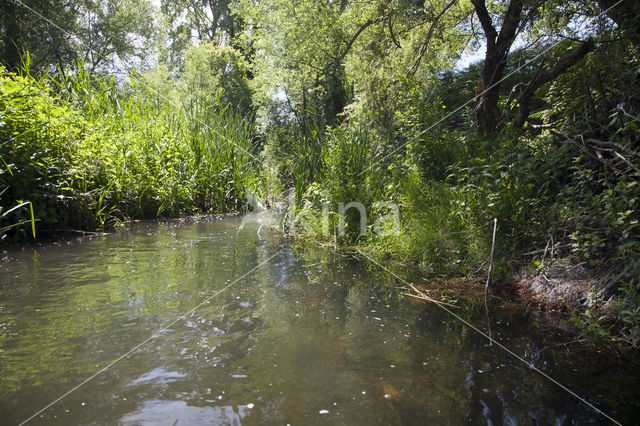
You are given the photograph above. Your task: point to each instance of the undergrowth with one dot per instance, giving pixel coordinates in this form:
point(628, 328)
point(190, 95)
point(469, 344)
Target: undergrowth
point(88, 151)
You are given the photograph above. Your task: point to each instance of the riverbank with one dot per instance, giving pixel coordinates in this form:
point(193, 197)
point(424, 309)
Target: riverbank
point(83, 153)
point(79, 154)
point(563, 292)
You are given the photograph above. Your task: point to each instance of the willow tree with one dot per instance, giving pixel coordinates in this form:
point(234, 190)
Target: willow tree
point(318, 56)
point(299, 50)
point(191, 22)
point(215, 76)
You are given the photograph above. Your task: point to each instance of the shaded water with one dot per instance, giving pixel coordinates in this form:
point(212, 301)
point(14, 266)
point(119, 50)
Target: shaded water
point(308, 337)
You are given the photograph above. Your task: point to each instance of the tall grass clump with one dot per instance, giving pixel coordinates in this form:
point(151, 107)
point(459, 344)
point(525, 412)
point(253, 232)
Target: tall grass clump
point(89, 151)
point(339, 160)
point(38, 135)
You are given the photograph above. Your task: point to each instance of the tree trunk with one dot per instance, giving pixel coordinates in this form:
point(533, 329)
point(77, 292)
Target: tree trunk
point(11, 37)
point(498, 46)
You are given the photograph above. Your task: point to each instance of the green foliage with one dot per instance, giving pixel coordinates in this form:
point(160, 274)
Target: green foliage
point(87, 30)
point(23, 31)
point(89, 157)
point(38, 135)
point(348, 159)
point(437, 233)
point(210, 21)
point(4, 228)
point(594, 326)
point(214, 75)
point(433, 147)
point(628, 314)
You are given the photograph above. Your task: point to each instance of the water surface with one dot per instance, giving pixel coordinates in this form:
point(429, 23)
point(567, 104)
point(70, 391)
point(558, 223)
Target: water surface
point(309, 337)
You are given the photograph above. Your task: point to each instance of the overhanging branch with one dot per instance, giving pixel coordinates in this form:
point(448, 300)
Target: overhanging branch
point(353, 39)
point(528, 90)
point(432, 28)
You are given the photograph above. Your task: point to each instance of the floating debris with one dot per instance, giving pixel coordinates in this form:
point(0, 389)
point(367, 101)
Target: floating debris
point(389, 392)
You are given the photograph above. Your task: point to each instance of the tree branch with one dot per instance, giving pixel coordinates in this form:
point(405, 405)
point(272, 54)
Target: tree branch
point(363, 27)
point(528, 90)
point(485, 20)
point(425, 45)
point(393, 37)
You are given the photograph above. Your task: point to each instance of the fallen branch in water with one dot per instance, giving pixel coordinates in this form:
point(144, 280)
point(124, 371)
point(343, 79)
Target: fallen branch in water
point(420, 295)
point(99, 234)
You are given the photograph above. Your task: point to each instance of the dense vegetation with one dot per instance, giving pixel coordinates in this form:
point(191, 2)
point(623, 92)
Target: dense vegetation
point(376, 102)
point(86, 156)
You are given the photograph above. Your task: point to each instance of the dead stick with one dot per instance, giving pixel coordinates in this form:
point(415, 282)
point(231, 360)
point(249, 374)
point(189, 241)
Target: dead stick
point(81, 232)
point(428, 299)
point(486, 287)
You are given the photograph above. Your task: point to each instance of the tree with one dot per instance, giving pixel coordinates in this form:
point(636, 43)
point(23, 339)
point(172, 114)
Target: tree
point(23, 30)
point(59, 33)
point(214, 75)
point(518, 15)
point(626, 14)
point(110, 28)
point(205, 20)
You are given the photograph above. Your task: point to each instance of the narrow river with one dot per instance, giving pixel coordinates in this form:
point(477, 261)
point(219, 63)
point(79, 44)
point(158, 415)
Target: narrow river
point(278, 335)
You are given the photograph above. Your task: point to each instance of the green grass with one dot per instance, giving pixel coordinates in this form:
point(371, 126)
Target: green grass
point(88, 152)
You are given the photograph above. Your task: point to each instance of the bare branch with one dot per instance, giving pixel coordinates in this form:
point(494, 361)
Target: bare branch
point(595, 148)
point(393, 37)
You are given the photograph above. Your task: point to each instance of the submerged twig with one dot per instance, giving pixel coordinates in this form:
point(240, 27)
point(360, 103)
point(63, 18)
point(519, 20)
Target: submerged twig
point(560, 344)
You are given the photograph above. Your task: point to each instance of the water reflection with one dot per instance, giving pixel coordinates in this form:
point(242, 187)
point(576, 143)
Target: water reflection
point(178, 412)
point(310, 337)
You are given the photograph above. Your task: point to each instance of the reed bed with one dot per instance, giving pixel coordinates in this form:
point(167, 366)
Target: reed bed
point(87, 152)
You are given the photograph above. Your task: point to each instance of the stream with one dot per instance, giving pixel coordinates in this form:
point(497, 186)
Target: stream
point(273, 333)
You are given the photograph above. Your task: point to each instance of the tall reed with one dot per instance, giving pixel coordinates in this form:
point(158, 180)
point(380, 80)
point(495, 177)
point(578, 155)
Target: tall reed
point(89, 151)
